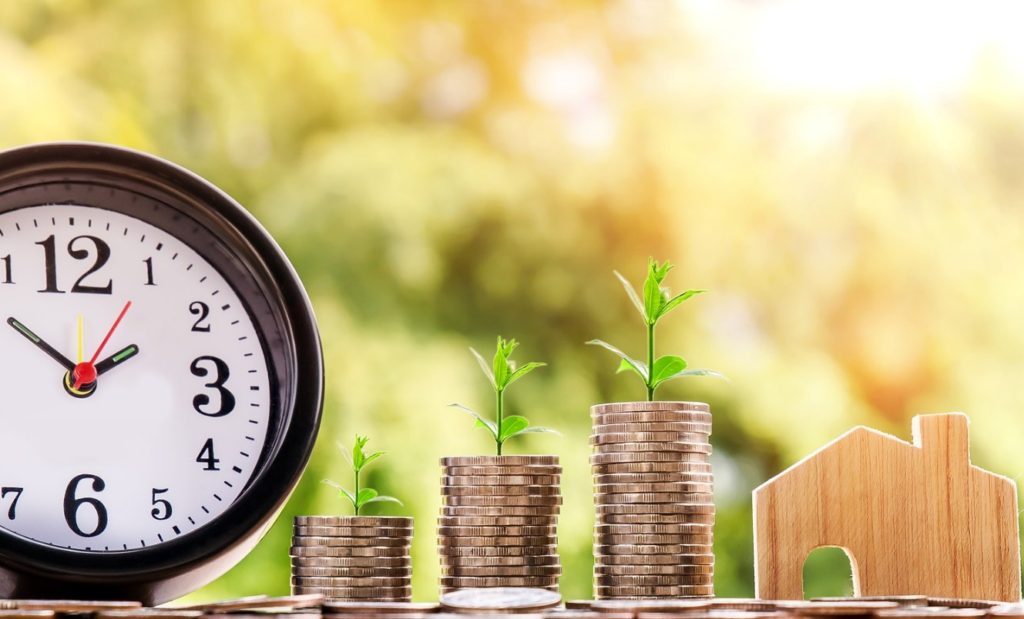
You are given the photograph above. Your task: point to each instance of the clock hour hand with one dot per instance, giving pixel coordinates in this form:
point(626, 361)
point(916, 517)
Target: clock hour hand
point(42, 345)
point(116, 359)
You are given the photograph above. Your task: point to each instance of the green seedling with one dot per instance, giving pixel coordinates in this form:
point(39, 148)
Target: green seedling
point(359, 459)
point(655, 303)
point(501, 373)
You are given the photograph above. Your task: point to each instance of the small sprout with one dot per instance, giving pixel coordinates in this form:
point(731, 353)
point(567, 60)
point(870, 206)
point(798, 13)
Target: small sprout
point(501, 373)
point(655, 303)
point(359, 459)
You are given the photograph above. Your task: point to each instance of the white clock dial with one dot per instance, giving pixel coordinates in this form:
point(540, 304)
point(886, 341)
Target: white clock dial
point(171, 430)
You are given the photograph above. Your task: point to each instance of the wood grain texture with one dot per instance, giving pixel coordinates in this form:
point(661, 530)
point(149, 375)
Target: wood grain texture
point(913, 518)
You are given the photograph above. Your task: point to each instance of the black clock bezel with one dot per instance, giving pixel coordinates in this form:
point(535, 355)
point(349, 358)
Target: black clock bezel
point(31, 568)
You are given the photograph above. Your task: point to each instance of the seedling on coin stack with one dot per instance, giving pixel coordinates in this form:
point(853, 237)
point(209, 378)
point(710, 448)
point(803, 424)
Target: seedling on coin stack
point(652, 473)
point(499, 520)
point(356, 558)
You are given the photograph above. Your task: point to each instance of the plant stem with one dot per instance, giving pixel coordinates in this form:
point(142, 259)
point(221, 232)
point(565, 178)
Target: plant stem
point(500, 405)
point(356, 502)
point(650, 361)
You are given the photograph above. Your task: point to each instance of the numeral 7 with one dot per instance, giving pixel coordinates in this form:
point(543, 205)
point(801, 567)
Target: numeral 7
point(14, 503)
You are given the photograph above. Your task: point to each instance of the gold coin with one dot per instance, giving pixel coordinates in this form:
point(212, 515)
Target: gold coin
point(646, 405)
point(655, 508)
point(743, 605)
point(655, 580)
point(354, 521)
point(346, 551)
point(353, 572)
point(653, 426)
point(344, 581)
point(8, 611)
point(496, 521)
point(655, 529)
point(325, 531)
point(498, 581)
point(451, 561)
point(501, 501)
point(615, 539)
point(259, 602)
point(632, 468)
point(655, 559)
point(501, 471)
point(346, 562)
point(500, 511)
point(657, 518)
point(666, 486)
point(648, 437)
point(499, 599)
point(637, 606)
point(961, 603)
point(497, 551)
point(632, 498)
point(605, 419)
point(352, 542)
point(650, 455)
point(499, 491)
point(648, 448)
point(852, 607)
point(134, 613)
point(359, 592)
point(74, 606)
point(447, 590)
point(500, 480)
point(653, 478)
point(655, 549)
point(644, 570)
point(496, 531)
point(508, 570)
point(500, 461)
point(675, 591)
point(902, 600)
point(377, 608)
point(537, 540)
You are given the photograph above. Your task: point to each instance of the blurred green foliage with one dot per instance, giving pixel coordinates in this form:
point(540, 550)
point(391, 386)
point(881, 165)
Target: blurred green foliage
point(441, 171)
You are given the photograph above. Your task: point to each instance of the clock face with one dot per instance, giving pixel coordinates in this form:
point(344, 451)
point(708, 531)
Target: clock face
point(130, 442)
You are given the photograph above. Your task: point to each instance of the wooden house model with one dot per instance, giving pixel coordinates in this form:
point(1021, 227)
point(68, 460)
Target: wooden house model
point(914, 518)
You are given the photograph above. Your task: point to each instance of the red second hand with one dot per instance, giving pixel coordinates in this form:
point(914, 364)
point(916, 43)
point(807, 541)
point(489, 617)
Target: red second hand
point(86, 372)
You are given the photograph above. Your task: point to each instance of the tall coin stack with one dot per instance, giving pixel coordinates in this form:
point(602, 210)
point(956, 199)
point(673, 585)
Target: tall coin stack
point(498, 523)
point(357, 558)
point(653, 494)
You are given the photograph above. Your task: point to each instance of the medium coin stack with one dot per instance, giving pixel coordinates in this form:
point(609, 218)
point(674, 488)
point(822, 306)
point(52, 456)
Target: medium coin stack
point(353, 557)
point(498, 523)
point(653, 495)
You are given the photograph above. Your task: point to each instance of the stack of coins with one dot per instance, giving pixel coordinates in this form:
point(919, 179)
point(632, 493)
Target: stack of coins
point(653, 495)
point(498, 524)
point(353, 557)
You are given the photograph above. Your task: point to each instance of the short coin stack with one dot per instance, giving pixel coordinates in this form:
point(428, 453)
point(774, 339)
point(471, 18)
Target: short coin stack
point(353, 557)
point(498, 523)
point(653, 495)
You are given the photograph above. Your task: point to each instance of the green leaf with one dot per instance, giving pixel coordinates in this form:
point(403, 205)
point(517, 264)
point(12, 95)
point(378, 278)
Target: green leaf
point(676, 300)
point(626, 366)
point(691, 372)
point(540, 430)
point(512, 425)
point(383, 498)
point(370, 458)
point(365, 495)
point(653, 295)
point(633, 296)
point(523, 371)
point(483, 366)
point(358, 458)
point(480, 420)
point(344, 452)
point(501, 363)
point(340, 488)
point(666, 366)
point(638, 366)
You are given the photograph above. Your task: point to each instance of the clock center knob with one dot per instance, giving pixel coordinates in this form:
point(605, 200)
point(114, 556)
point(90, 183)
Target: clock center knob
point(81, 382)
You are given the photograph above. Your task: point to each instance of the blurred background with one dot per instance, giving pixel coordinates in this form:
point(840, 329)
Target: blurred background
point(841, 176)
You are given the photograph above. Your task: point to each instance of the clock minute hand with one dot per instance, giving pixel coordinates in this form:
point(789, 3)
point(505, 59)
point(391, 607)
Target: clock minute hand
point(40, 343)
point(116, 359)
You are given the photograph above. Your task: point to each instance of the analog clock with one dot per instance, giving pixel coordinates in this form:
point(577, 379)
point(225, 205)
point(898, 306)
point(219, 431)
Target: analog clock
point(161, 376)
